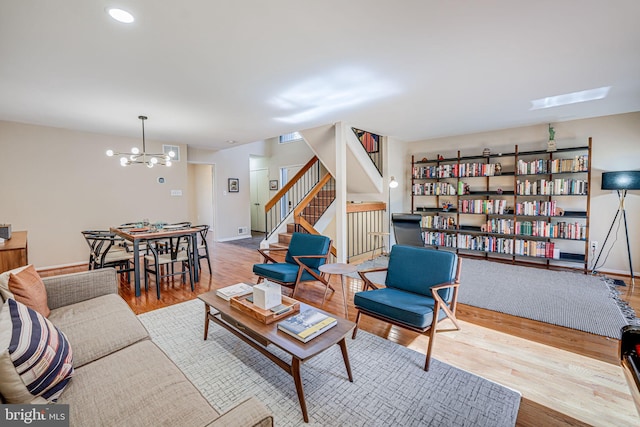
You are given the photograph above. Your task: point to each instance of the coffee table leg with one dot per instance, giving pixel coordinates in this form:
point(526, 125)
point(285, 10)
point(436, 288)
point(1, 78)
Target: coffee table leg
point(345, 356)
point(295, 372)
point(206, 321)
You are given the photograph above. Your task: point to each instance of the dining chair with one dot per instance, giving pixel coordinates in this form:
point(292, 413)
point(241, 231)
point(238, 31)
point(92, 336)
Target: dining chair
point(107, 250)
point(203, 230)
point(162, 254)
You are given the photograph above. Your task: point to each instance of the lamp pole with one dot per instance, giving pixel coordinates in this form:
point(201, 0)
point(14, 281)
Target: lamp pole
point(392, 184)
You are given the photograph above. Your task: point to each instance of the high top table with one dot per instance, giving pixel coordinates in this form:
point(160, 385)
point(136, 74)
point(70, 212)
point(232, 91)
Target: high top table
point(136, 237)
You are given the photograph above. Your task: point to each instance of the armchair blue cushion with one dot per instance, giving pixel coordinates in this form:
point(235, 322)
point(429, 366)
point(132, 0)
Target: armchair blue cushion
point(419, 283)
point(305, 254)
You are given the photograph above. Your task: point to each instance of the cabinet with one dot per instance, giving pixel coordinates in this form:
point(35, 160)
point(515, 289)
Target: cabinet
point(13, 252)
point(523, 206)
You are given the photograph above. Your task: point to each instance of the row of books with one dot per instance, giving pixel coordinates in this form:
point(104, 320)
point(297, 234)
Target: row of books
point(576, 164)
point(460, 170)
point(562, 230)
point(536, 249)
point(439, 239)
point(483, 206)
point(485, 243)
point(537, 207)
point(440, 222)
point(555, 187)
point(434, 189)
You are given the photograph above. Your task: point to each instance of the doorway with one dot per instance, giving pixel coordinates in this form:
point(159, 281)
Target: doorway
point(259, 194)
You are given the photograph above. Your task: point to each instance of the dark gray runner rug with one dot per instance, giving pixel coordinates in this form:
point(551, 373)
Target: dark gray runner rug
point(390, 387)
point(249, 243)
point(570, 299)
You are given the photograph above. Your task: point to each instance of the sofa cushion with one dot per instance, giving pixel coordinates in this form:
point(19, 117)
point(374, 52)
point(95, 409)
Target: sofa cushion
point(98, 326)
point(409, 308)
point(27, 287)
point(35, 357)
point(135, 386)
point(4, 282)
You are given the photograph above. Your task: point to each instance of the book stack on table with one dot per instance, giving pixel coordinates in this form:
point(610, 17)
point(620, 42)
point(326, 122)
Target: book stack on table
point(307, 325)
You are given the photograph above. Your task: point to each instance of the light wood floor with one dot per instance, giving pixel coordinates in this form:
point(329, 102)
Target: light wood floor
point(566, 377)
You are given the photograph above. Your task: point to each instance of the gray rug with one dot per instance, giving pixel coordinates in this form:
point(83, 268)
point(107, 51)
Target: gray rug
point(252, 242)
point(390, 387)
point(573, 300)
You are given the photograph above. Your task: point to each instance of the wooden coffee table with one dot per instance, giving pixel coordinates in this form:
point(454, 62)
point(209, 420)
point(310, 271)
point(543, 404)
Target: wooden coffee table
point(259, 335)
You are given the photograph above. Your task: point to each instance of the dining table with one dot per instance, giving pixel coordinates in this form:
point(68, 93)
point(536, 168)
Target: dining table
point(138, 235)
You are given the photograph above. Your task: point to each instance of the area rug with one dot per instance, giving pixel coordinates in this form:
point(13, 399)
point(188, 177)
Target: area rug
point(570, 299)
point(390, 387)
point(252, 242)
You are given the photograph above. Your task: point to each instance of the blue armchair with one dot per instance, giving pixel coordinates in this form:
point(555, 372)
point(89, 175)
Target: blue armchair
point(305, 254)
point(421, 289)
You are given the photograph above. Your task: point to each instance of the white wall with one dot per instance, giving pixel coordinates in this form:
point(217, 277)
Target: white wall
point(56, 182)
point(616, 146)
point(230, 210)
point(201, 188)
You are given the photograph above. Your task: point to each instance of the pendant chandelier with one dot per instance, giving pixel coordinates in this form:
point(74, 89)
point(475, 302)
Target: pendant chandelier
point(143, 158)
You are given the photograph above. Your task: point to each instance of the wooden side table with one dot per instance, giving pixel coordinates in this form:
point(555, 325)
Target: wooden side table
point(377, 235)
point(341, 269)
point(13, 252)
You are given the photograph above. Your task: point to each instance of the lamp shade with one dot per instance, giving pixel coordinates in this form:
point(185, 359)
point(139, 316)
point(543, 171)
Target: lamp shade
point(622, 180)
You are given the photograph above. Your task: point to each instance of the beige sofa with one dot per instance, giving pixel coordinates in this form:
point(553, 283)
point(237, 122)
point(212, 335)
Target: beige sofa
point(121, 377)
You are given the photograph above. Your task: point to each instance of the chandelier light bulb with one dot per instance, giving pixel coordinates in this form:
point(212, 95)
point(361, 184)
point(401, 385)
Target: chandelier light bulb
point(172, 154)
point(124, 160)
point(110, 153)
point(149, 165)
point(168, 163)
point(153, 160)
point(135, 150)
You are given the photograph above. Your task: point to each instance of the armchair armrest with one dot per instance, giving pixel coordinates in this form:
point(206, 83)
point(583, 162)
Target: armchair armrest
point(71, 288)
point(367, 282)
point(304, 267)
point(266, 256)
point(251, 412)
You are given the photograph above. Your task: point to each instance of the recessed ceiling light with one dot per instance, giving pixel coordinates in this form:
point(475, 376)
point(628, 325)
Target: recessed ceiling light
point(570, 98)
point(231, 141)
point(121, 15)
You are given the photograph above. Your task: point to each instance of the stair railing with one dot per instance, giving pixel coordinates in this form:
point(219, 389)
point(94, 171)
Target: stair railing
point(290, 195)
point(317, 201)
point(372, 145)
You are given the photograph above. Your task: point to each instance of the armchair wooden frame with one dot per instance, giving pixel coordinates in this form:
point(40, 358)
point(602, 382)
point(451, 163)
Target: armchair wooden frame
point(440, 304)
point(302, 267)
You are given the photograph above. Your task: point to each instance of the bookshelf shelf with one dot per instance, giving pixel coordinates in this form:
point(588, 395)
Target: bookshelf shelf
point(485, 192)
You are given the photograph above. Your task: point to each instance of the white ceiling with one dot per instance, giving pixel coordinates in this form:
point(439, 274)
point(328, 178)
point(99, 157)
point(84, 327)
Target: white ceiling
point(205, 71)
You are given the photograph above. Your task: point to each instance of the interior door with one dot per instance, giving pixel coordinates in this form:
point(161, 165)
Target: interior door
point(259, 197)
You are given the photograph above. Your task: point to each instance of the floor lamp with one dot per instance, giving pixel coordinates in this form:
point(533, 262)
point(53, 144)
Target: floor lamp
point(392, 184)
point(621, 182)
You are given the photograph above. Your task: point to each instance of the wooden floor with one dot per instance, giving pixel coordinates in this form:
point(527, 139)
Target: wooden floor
point(566, 377)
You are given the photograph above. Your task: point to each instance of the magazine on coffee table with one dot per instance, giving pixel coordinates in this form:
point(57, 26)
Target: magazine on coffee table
point(307, 324)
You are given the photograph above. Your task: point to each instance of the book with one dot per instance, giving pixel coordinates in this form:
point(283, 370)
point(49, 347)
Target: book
point(237, 290)
point(307, 324)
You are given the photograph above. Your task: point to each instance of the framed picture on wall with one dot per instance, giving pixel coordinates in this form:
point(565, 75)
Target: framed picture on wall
point(273, 184)
point(234, 185)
